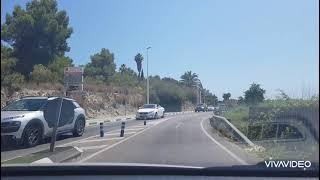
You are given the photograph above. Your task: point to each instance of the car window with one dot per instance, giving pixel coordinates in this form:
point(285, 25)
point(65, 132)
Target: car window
point(67, 113)
point(149, 106)
point(26, 105)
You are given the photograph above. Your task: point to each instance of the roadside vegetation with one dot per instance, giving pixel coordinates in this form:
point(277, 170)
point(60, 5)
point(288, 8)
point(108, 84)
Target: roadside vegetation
point(259, 125)
point(33, 51)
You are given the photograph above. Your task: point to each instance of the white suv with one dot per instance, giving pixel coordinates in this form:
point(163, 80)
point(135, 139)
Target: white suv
point(24, 120)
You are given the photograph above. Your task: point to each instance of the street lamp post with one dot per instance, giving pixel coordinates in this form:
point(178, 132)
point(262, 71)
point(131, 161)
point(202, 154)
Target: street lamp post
point(200, 95)
point(148, 75)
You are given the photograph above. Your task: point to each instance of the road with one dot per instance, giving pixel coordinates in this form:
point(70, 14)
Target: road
point(9, 151)
point(180, 140)
point(184, 139)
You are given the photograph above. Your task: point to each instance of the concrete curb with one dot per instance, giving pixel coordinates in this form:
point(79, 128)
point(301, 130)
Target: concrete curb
point(63, 156)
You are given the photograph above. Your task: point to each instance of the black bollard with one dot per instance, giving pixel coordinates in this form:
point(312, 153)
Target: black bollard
point(101, 130)
point(145, 122)
point(122, 129)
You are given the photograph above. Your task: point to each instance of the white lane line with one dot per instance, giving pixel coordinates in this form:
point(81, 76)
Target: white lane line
point(87, 139)
point(137, 126)
point(115, 144)
point(93, 147)
point(132, 129)
point(106, 134)
point(222, 147)
point(97, 140)
point(76, 141)
point(111, 134)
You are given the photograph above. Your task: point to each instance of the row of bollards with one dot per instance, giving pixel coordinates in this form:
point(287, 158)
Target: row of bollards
point(123, 124)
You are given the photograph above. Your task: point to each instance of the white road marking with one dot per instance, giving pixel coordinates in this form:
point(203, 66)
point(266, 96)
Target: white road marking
point(137, 126)
point(115, 144)
point(132, 129)
point(106, 134)
point(97, 140)
point(93, 147)
point(78, 149)
point(43, 161)
point(76, 141)
point(111, 134)
point(221, 146)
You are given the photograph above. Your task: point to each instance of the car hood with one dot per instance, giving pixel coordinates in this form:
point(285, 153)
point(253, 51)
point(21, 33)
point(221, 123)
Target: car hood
point(7, 114)
point(146, 110)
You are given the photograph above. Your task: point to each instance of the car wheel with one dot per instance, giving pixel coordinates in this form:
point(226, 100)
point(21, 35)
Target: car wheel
point(79, 128)
point(162, 115)
point(32, 135)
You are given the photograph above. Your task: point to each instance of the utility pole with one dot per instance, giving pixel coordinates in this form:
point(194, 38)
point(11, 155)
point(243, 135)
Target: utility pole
point(148, 75)
point(200, 94)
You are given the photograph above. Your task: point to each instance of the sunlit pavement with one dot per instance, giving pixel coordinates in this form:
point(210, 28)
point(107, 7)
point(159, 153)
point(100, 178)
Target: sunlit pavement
point(10, 150)
point(177, 139)
point(174, 140)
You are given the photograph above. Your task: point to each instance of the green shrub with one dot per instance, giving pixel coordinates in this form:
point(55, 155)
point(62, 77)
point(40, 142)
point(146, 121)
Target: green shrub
point(13, 81)
point(41, 74)
point(58, 65)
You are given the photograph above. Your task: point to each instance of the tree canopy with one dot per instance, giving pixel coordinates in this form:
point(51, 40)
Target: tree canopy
point(139, 58)
point(37, 33)
point(254, 95)
point(189, 79)
point(226, 96)
point(101, 66)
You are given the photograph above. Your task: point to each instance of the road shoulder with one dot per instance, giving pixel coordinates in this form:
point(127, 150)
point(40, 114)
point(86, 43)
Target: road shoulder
point(235, 148)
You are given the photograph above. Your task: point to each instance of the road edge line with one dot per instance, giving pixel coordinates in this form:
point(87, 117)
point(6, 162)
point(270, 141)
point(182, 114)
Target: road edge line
point(243, 162)
point(117, 143)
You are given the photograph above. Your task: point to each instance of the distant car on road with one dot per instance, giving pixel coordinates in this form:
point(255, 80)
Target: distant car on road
point(24, 120)
point(210, 108)
point(201, 107)
point(150, 111)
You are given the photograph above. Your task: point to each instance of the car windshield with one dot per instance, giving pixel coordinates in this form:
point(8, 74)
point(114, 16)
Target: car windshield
point(25, 105)
point(149, 106)
point(237, 81)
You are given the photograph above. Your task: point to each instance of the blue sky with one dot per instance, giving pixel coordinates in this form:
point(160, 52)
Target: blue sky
point(229, 43)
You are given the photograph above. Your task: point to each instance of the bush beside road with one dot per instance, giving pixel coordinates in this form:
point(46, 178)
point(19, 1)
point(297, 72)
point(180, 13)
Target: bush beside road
point(250, 124)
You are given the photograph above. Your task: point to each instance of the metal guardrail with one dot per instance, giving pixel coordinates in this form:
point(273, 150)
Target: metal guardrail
point(234, 129)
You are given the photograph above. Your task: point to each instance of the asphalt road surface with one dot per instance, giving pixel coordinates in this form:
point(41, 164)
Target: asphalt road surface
point(10, 150)
point(184, 139)
point(176, 140)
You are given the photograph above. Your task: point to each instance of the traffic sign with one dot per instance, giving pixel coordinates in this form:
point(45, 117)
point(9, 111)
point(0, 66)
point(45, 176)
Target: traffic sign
point(73, 76)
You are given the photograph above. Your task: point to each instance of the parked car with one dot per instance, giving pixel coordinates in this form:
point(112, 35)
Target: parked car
point(210, 108)
point(25, 121)
point(201, 107)
point(150, 111)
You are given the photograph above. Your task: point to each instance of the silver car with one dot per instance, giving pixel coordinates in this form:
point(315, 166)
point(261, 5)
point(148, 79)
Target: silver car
point(24, 120)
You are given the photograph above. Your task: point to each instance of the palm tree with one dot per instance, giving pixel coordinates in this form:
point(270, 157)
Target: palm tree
point(139, 58)
point(122, 68)
point(189, 79)
point(226, 96)
point(142, 74)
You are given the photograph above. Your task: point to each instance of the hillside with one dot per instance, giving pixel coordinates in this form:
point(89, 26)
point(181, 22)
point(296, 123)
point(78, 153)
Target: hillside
point(98, 101)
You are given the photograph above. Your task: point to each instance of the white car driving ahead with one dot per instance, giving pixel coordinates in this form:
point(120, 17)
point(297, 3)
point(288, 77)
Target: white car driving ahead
point(150, 111)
